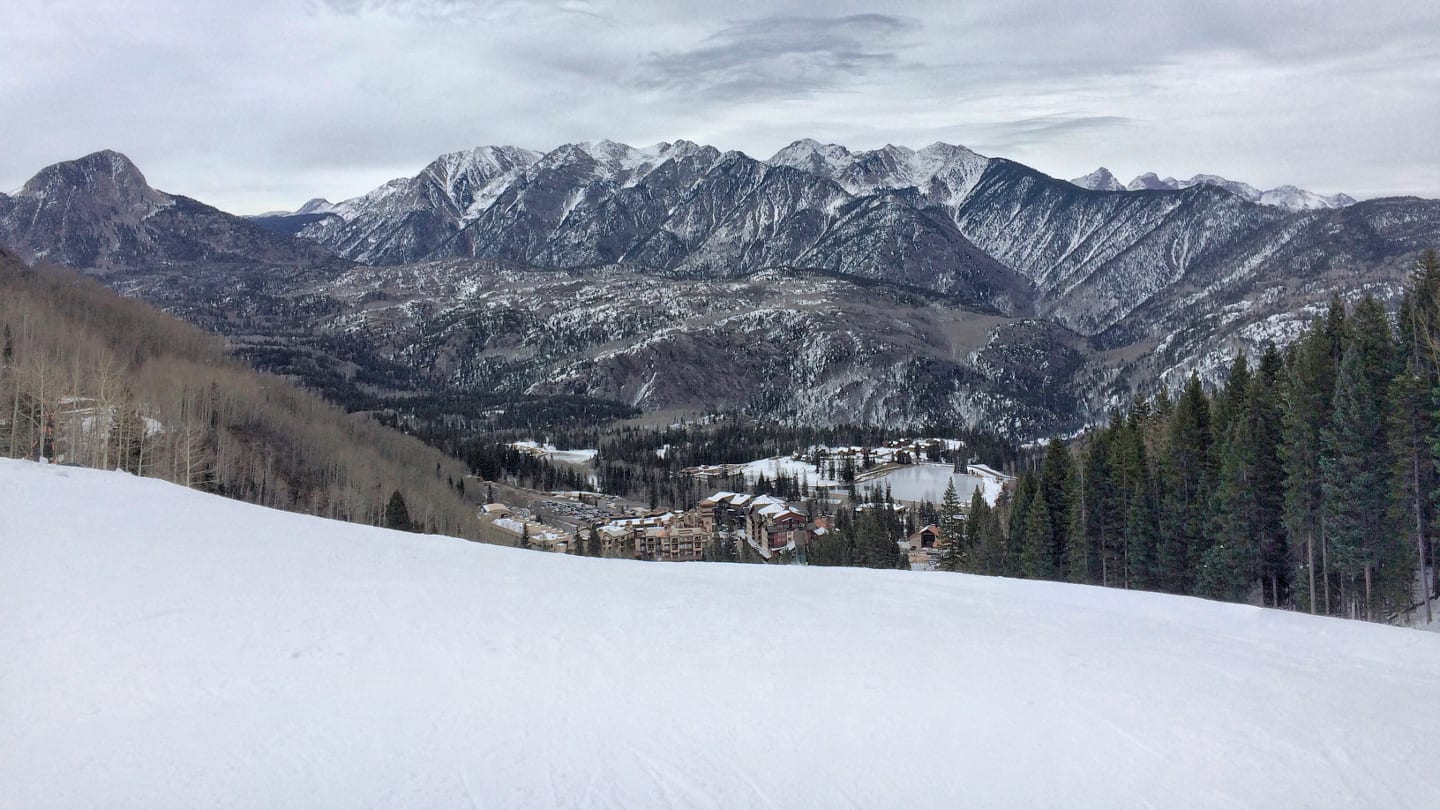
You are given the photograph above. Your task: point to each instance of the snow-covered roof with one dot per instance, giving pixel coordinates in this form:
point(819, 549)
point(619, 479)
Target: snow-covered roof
point(981, 469)
point(510, 524)
point(645, 520)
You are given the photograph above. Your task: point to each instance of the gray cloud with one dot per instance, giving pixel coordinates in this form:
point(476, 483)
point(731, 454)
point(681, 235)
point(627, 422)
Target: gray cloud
point(460, 10)
point(1006, 137)
point(779, 57)
point(264, 104)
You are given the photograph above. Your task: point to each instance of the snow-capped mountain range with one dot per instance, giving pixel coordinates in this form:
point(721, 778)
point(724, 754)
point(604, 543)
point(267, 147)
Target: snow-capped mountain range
point(893, 284)
point(1287, 197)
point(993, 232)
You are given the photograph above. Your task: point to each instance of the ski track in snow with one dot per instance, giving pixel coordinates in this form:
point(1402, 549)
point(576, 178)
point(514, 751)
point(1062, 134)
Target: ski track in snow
point(165, 648)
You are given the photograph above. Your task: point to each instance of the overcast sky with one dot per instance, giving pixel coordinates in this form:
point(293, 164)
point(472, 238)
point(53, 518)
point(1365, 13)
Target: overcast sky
point(262, 104)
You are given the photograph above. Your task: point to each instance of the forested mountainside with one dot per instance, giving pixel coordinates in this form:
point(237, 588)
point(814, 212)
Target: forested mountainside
point(91, 378)
point(1307, 480)
point(796, 346)
point(895, 285)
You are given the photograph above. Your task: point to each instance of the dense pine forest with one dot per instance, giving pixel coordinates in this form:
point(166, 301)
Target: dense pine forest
point(1308, 480)
point(90, 378)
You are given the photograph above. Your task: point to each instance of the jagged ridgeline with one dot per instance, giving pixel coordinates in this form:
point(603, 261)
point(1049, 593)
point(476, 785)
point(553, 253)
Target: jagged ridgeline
point(90, 378)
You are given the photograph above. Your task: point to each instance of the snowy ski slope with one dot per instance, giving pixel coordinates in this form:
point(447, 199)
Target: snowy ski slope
point(169, 649)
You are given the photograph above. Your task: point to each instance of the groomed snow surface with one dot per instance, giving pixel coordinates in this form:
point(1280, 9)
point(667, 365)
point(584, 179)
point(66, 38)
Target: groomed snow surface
point(169, 649)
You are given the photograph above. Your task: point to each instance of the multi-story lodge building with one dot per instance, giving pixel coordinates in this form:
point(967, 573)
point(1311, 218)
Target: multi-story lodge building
point(768, 524)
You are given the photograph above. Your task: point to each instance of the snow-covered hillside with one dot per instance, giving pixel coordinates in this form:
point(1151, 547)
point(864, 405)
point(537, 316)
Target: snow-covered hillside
point(168, 649)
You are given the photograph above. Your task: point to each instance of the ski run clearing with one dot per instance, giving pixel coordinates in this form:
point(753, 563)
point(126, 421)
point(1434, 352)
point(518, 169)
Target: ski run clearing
point(169, 649)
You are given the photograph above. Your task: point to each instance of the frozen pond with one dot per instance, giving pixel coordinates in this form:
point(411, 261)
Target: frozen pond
point(926, 482)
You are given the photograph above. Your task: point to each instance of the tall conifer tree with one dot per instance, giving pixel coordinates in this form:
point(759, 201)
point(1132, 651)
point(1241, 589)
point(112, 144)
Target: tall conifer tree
point(1036, 561)
point(952, 530)
point(1309, 387)
point(1186, 468)
point(1231, 564)
point(1355, 468)
point(1056, 484)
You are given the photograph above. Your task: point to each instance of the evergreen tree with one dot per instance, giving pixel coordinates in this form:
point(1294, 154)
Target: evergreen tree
point(1231, 564)
point(1268, 487)
point(1309, 387)
point(990, 552)
point(832, 548)
point(874, 544)
point(1356, 466)
point(1010, 562)
point(1036, 561)
point(1087, 511)
point(1056, 484)
point(1229, 403)
point(1185, 494)
point(1160, 412)
point(1412, 479)
point(397, 515)
point(952, 529)
point(1415, 396)
point(976, 520)
point(1134, 502)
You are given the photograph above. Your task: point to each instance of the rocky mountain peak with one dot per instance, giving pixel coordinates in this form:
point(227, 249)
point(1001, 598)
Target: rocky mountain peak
point(482, 161)
point(1149, 181)
point(105, 178)
point(1298, 199)
point(808, 154)
point(470, 178)
point(318, 205)
point(1099, 180)
point(1244, 191)
point(99, 212)
point(1287, 197)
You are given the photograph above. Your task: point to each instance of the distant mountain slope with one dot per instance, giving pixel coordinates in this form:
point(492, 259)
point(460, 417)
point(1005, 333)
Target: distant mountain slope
point(405, 219)
point(289, 224)
point(1088, 258)
point(98, 212)
point(1266, 286)
point(1113, 287)
point(1096, 255)
point(238, 657)
point(797, 345)
point(1288, 198)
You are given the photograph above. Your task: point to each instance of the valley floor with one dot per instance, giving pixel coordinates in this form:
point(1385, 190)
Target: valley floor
point(169, 649)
